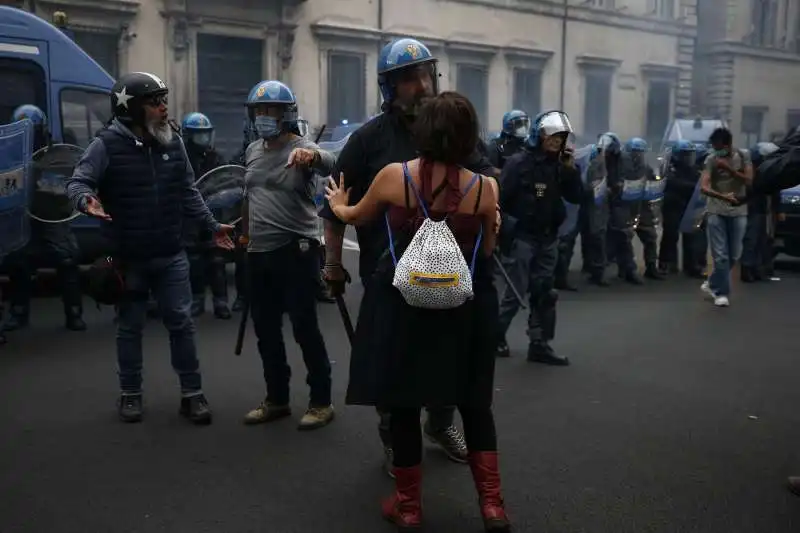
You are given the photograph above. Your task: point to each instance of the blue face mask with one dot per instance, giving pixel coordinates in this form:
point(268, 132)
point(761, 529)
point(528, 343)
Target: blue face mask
point(267, 127)
point(721, 153)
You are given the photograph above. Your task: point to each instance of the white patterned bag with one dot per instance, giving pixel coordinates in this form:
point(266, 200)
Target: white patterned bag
point(432, 272)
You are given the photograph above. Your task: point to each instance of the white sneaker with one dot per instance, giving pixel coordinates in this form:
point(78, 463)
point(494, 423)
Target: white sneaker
point(721, 301)
point(706, 288)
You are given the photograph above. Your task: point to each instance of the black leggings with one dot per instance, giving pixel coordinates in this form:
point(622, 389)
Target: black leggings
point(404, 426)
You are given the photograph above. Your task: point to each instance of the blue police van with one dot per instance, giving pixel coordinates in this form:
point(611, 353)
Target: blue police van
point(41, 65)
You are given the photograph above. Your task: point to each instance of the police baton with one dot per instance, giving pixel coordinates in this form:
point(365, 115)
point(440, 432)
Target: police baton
point(245, 302)
point(509, 284)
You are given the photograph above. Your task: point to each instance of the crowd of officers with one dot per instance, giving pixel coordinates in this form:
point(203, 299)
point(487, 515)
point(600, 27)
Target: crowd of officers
point(169, 245)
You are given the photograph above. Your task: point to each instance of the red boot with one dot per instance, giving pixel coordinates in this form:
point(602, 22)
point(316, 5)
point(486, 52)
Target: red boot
point(486, 474)
point(404, 507)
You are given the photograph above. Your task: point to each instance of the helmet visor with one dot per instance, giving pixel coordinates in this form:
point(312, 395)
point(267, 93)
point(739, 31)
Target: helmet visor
point(520, 127)
point(555, 122)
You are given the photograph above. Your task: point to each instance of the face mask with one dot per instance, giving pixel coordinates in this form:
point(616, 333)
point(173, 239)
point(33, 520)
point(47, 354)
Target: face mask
point(267, 127)
point(202, 139)
point(721, 153)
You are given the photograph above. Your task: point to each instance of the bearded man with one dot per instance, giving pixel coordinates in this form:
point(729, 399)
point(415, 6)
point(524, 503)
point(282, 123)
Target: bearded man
point(137, 178)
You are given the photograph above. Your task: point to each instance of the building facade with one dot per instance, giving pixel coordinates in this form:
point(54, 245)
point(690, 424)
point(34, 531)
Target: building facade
point(622, 65)
point(748, 66)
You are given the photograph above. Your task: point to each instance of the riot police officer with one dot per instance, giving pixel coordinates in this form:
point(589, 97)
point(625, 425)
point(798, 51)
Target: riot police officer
point(206, 261)
point(646, 226)
point(516, 125)
point(533, 185)
point(756, 248)
point(50, 244)
point(681, 173)
point(625, 188)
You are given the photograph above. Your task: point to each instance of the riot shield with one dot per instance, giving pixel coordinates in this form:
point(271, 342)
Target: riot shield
point(223, 191)
point(52, 166)
point(16, 142)
point(695, 215)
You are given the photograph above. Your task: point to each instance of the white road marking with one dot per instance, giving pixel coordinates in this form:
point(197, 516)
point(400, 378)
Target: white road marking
point(347, 244)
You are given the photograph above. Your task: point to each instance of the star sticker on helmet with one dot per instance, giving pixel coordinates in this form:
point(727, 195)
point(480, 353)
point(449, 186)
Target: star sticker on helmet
point(123, 97)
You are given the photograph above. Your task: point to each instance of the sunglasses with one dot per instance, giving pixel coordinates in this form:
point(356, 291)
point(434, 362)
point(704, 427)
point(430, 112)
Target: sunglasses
point(156, 101)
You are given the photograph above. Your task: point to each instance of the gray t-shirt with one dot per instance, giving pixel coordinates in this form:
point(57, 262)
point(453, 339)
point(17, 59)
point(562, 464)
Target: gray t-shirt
point(280, 199)
point(724, 182)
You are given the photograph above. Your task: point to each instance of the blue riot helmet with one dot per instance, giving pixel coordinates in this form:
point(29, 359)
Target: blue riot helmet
point(41, 136)
point(760, 151)
point(197, 129)
point(549, 124)
point(516, 124)
point(402, 60)
point(637, 148)
point(272, 109)
point(609, 144)
point(683, 153)
point(32, 113)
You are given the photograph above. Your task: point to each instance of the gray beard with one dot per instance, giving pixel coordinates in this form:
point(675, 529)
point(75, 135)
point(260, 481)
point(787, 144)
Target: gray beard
point(162, 133)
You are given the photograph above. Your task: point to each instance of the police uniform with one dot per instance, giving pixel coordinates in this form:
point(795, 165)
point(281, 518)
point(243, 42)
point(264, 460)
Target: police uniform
point(51, 245)
point(622, 211)
point(757, 254)
point(533, 187)
point(515, 128)
point(385, 139)
point(207, 263)
point(648, 210)
point(592, 223)
point(681, 171)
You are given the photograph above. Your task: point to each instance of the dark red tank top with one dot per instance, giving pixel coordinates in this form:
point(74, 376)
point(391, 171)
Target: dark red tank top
point(465, 228)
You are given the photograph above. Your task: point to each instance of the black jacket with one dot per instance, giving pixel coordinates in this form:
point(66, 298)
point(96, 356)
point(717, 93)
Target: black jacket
point(780, 170)
point(533, 186)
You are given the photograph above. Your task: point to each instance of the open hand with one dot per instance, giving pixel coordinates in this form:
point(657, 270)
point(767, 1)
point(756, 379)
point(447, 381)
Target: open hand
point(336, 194)
point(95, 208)
point(222, 237)
point(301, 157)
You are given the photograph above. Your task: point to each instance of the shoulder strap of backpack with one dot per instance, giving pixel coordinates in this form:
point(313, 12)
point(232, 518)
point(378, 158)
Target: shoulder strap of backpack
point(420, 201)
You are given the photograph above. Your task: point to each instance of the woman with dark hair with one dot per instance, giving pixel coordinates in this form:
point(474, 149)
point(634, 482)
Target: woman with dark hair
point(404, 357)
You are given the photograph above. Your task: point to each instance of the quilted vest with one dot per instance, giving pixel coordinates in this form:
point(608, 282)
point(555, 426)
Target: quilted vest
point(142, 190)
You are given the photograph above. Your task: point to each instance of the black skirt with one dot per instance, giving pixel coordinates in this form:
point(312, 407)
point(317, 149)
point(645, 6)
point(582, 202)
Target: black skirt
point(405, 356)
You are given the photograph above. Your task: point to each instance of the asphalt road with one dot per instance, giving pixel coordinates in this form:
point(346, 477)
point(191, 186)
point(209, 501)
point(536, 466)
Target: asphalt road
point(675, 417)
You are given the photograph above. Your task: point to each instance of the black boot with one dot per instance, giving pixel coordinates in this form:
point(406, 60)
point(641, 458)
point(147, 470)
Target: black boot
point(74, 319)
point(502, 349)
point(563, 284)
point(652, 272)
point(599, 280)
point(238, 304)
point(18, 318)
point(748, 274)
point(632, 277)
point(71, 296)
point(542, 329)
point(196, 409)
point(198, 304)
point(129, 408)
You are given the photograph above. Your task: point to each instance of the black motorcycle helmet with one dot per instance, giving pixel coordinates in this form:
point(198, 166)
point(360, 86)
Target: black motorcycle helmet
point(130, 93)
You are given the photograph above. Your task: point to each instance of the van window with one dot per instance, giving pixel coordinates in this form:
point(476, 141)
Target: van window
point(83, 114)
point(21, 82)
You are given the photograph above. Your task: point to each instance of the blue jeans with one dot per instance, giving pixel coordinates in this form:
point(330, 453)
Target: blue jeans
point(725, 236)
point(168, 279)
